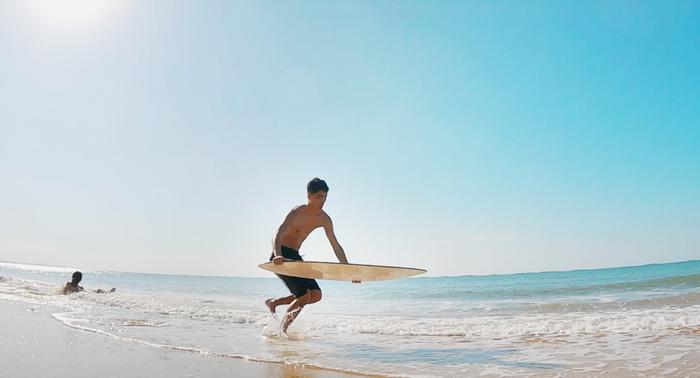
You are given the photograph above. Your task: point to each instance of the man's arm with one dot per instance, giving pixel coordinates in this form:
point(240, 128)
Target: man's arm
point(339, 252)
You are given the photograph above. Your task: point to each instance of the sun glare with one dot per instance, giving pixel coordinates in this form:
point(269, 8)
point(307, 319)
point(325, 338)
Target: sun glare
point(73, 13)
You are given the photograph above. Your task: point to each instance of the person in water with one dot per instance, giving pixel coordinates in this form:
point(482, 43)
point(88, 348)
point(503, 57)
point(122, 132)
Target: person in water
point(73, 287)
point(298, 224)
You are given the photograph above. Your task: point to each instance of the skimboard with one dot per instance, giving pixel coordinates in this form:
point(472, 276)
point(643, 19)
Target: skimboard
point(339, 271)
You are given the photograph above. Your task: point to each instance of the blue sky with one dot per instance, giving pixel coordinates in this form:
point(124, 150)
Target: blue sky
point(461, 137)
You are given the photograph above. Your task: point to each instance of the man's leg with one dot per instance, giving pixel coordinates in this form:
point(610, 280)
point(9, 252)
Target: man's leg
point(312, 296)
point(273, 303)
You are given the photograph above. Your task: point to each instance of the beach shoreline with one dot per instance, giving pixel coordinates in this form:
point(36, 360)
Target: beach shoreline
point(34, 344)
point(626, 322)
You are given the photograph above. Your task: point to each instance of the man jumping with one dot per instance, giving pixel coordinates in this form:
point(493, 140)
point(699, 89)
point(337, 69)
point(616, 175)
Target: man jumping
point(290, 235)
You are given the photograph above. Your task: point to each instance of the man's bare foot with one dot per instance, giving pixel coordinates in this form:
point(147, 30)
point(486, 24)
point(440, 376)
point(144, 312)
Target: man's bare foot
point(270, 303)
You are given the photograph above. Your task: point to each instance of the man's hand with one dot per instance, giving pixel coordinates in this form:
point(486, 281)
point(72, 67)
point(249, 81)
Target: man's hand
point(345, 261)
point(278, 260)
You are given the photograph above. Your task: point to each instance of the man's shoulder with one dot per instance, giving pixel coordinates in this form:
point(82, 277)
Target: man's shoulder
point(325, 216)
point(296, 212)
point(297, 209)
point(69, 288)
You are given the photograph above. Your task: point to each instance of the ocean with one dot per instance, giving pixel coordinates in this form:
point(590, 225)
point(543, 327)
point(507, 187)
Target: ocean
point(642, 319)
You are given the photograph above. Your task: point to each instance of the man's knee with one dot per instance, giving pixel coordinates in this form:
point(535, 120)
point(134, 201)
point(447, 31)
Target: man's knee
point(314, 296)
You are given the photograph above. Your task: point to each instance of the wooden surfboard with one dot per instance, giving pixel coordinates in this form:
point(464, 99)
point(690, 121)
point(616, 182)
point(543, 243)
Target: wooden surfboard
point(339, 271)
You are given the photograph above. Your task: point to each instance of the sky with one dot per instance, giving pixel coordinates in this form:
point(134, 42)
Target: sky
point(463, 137)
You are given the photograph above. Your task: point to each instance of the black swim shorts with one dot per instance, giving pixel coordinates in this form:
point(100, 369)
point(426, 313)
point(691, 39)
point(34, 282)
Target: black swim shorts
point(297, 286)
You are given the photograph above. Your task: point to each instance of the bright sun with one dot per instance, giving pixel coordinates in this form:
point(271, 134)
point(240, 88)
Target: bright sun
point(73, 13)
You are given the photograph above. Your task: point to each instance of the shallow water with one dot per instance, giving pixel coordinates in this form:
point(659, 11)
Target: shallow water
point(642, 320)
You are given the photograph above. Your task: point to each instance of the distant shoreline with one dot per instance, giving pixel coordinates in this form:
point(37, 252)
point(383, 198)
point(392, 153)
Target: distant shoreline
point(428, 276)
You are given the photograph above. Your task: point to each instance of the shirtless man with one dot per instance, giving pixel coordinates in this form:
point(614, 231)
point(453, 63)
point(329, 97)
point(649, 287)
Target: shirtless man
point(73, 287)
point(290, 235)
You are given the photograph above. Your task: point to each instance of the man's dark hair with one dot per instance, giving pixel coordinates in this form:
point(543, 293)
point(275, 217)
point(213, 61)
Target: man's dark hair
point(77, 276)
point(316, 185)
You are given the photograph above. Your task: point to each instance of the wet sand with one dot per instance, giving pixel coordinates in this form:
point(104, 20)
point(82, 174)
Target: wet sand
point(33, 344)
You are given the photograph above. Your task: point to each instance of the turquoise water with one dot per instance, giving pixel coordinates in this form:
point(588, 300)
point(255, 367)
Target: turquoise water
point(517, 324)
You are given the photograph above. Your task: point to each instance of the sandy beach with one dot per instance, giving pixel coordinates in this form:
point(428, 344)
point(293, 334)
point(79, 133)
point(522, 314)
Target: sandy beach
point(33, 344)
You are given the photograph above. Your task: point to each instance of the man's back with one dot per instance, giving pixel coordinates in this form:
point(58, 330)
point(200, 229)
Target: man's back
point(71, 288)
point(299, 224)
